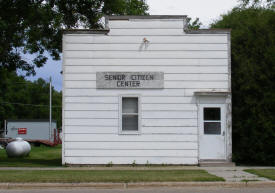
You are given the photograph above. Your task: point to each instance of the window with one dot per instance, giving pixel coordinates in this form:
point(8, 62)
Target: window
point(129, 114)
point(212, 120)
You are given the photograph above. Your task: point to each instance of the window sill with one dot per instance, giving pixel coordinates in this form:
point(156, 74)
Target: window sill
point(129, 133)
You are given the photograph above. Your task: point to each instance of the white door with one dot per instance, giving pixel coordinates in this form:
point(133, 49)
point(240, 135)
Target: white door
point(212, 131)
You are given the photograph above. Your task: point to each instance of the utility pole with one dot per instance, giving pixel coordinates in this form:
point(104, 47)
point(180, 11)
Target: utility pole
point(50, 118)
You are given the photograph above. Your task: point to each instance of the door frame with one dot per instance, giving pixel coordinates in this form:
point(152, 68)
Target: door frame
point(223, 125)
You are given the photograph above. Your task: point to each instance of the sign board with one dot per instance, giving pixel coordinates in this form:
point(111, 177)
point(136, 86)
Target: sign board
point(123, 80)
point(22, 130)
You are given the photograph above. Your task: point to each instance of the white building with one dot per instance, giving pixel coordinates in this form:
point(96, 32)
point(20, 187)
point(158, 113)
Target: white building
point(146, 90)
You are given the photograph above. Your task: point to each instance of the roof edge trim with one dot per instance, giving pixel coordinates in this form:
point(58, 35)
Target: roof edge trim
point(86, 31)
point(128, 17)
point(208, 31)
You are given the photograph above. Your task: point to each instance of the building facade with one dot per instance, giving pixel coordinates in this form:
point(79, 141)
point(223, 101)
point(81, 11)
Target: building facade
point(146, 90)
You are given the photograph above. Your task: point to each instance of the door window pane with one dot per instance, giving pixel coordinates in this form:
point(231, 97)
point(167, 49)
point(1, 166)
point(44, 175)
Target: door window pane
point(129, 105)
point(213, 114)
point(212, 120)
point(212, 128)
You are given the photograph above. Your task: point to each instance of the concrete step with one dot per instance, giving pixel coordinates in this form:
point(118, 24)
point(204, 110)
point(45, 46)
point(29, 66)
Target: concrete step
point(216, 164)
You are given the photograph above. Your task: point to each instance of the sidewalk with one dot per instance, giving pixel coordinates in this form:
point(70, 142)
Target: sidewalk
point(236, 174)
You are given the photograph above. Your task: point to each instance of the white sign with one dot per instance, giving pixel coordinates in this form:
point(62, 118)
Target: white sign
point(129, 80)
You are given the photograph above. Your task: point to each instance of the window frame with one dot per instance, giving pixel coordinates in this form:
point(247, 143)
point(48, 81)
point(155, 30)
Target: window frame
point(222, 120)
point(129, 132)
point(212, 121)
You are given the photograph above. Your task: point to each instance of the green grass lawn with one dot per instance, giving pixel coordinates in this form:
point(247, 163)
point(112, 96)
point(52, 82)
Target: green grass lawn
point(266, 173)
point(44, 156)
point(41, 156)
point(106, 176)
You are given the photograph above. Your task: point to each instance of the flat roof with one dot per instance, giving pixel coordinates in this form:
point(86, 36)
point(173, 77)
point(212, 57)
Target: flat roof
point(29, 120)
point(127, 17)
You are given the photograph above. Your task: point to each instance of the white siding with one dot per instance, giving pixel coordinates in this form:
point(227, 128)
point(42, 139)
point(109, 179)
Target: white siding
point(169, 133)
point(175, 39)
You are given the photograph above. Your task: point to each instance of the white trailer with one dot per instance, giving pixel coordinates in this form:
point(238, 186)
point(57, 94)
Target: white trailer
point(36, 129)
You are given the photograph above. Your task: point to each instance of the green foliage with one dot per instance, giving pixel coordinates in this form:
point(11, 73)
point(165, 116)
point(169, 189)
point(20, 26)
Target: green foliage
point(22, 99)
point(193, 25)
point(134, 164)
point(257, 3)
point(35, 26)
point(253, 78)
point(109, 164)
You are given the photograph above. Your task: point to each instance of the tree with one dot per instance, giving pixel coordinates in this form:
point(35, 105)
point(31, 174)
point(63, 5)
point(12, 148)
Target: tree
point(253, 82)
point(257, 3)
point(35, 26)
point(22, 99)
point(193, 25)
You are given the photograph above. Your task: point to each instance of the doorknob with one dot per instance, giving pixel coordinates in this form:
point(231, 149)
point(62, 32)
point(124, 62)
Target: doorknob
point(223, 133)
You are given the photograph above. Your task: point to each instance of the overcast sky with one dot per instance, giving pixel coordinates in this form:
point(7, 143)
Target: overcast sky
point(206, 10)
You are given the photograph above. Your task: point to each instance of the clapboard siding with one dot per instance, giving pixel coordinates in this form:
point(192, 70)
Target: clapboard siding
point(170, 130)
point(132, 153)
point(129, 160)
point(147, 24)
point(145, 99)
point(133, 145)
point(88, 129)
point(162, 99)
point(146, 32)
point(93, 122)
point(151, 47)
point(94, 107)
point(169, 114)
point(145, 114)
point(110, 99)
point(91, 114)
point(144, 107)
point(196, 77)
point(169, 122)
point(146, 62)
point(145, 54)
point(168, 107)
point(170, 84)
point(168, 118)
point(149, 122)
point(126, 138)
point(84, 129)
point(166, 69)
point(167, 77)
point(112, 92)
point(176, 39)
point(143, 92)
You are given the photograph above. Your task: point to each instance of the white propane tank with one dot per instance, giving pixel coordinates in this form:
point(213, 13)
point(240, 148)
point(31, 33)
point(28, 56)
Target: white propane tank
point(18, 148)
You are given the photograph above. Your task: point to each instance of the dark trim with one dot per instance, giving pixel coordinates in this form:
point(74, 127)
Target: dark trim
point(128, 17)
point(86, 31)
point(208, 31)
point(29, 120)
